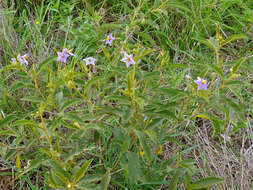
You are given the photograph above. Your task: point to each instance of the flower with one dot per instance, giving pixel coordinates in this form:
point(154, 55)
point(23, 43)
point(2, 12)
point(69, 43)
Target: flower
point(69, 52)
point(122, 52)
point(89, 61)
point(23, 59)
point(62, 57)
point(109, 39)
point(128, 59)
point(202, 84)
point(13, 60)
point(188, 76)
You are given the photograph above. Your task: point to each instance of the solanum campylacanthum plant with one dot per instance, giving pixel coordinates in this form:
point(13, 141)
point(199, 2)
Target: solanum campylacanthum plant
point(92, 120)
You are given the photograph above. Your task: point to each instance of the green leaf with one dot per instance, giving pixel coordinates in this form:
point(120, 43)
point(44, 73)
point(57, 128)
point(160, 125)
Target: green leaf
point(45, 63)
point(8, 132)
point(174, 181)
point(7, 120)
point(204, 183)
point(106, 53)
point(146, 37)
point(232, 38)
point(81, 171)
point(216, 69)
point(60, 172)
point(171, 91)
point(105, 182)
point(217, 124)
point(133, 168)
point(234, 106)
point(24, 122)
point(34, 99)
point(155, 123)
point(237, 65)
point(19, 85)
point(211, 43)
point(144, 144)
point(69, 103)
point(35, 163)
point(94, 80)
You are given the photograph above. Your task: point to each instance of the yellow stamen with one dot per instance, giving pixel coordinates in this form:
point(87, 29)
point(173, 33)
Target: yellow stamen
point(107, 39)
point(62, 56)
point(26, 57)
point(203, 82)
point(70, 50)
point(128, 59)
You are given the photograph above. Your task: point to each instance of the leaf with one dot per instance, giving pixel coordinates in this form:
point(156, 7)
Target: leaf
point(155, 123)
point(174, 181)
point(204, 183)
point(69, 103)
point(203, 94)
point(35, 163)
point(24, 122)
point(33, 99)
point(172, 92)
point(146, 37)
point(8, 132)
point(45, 63)
point(81, 171)
point(234, 82)
point(105, 182)
point(232, 38)
point(94, 80)
point(18, 163)
point(145, 146)
point(234, 106)
point(237, 65)
point(216, 69)
point(60, 172)
point(211, 43)
point(19, 85)
point(7, 120)
point(216, 122)
point(133, 168)
point(106, 53)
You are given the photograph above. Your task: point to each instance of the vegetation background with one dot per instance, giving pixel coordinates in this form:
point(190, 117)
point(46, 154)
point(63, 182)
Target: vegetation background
point(108, 126)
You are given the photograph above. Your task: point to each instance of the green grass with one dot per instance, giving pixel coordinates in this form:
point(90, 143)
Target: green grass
point(108, 126)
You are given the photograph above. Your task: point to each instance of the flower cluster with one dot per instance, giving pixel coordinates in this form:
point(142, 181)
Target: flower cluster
point(22, 59)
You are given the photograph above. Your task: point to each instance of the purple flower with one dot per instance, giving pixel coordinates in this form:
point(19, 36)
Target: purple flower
point(69, 52)
point(202, 84)
point(128, 59)
point(89, 61)
point(23, 59)
point(109, 39)
point(62, 57)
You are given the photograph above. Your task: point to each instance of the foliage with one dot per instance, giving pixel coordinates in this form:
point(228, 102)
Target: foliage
point(105, 126)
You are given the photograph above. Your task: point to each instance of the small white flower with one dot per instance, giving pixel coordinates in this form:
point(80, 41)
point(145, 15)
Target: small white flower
point(13, 60)
point(89, 61)
point(188, 76)
point(25, 58)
